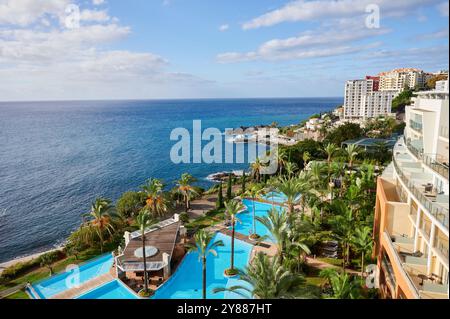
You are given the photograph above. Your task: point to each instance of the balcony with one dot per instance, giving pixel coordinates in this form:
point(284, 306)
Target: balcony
point(412, 267)
point(438, 164)
point(417, 182)
point(416, 126)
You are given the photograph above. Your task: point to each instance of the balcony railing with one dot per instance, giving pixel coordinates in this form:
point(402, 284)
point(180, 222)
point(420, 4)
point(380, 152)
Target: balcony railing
point(431, 160)
point(439, 212)
point(416, 126)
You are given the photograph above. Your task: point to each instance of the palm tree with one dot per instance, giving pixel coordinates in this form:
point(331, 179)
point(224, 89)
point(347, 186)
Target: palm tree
point(156, 201)
point(144, 221)
point(204, 245)
point(267, 278)
point(290, 169)
point(351, 151)
point(306, 157)
point(47, 260)
point(257, 167)
point(291, 189)
point(277, 223)
point(232, 208)
point(254, 192)
point(362, 242)
point(343, 224)
point(186, 189)
point(281, 159)
point(342, 285)
point(101, 215)
point(330, 149)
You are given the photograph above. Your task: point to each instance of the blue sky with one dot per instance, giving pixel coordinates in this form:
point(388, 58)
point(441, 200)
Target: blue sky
point(211, 49)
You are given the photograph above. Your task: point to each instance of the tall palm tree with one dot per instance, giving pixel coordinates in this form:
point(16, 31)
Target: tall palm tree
point(306, 157)
point(144, 221)
point(100, 218)
point(267, 278)
point(330, 150)
point(291, 189)
point(204, 245)
point(257, 166)
point(156, 201)
point(362, 242)
point(281, 156)
point(277, 223)
point(352, 151)
point(232, 208)
point(186, 189)
point(254, 192)
point(290, 169)
point(343, 224)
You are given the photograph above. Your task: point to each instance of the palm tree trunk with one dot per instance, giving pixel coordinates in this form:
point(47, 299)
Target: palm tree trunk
point(232, 246)
point(254, 220)
point(186, 203)
point(204, 277)
point(145, 265)
point(362, 264)
point(100, 235)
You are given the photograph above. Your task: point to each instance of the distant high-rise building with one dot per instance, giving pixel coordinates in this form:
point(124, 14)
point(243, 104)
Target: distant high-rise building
point(399, 79)
point(364, 100)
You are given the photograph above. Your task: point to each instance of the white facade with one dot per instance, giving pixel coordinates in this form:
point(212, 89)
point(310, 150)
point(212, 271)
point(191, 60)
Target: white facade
point(442, 86)
point(362, 101)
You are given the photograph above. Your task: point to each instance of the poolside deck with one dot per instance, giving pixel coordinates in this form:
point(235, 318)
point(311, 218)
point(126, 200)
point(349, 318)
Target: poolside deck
point(89, 285)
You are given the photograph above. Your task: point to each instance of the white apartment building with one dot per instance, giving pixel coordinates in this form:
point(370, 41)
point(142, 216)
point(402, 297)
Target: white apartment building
point(442, 86)
point(398, 79)
point(363, 100)
point(412, 208)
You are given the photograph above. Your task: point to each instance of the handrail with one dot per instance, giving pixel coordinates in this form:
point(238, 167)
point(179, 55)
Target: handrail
point(439, 212)
point(429, 160)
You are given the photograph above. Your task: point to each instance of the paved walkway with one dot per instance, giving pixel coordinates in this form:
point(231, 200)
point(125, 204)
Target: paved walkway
point(324, 265)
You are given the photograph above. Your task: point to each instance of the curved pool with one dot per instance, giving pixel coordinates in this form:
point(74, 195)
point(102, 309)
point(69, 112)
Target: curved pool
point(186, 282)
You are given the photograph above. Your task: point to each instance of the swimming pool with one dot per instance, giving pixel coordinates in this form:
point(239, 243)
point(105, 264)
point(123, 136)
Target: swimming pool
point(186, 282)
point(245, 226)
point(59, 283)
point(111, 290)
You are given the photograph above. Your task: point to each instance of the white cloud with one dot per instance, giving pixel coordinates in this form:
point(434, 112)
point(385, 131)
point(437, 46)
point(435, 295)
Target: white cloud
point(443, 8)
point(310, 44)
point(224, 27)
point(26, 12)
point(94, 15)
point(47, 61)
point(301, 10)
point(98, 2)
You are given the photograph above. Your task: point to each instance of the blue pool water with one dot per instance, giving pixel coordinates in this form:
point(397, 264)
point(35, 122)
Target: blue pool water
point(64, 281)
point(111, 290)
point(186, 282)
point(245, 226)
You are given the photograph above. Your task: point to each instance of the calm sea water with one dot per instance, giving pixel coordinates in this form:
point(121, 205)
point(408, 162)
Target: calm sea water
point(57, 157)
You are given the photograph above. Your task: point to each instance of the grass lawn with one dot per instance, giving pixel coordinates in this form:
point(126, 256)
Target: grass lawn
point(211, 218)
point(18, 295)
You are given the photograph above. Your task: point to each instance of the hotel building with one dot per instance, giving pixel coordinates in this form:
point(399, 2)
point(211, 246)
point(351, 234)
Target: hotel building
point(398, 79)
point(412, 205)
point(363, 99)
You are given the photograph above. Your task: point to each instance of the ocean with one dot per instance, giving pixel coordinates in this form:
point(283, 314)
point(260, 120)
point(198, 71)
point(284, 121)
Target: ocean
point(57, 157)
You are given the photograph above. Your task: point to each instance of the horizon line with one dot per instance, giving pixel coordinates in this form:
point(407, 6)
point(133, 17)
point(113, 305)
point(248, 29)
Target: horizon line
point(171, 99)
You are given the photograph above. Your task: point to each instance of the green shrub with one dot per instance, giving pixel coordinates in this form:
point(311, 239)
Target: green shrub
point(184, 217)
